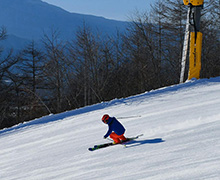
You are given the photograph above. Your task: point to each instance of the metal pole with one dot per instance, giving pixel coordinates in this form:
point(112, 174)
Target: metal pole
point(185, 46)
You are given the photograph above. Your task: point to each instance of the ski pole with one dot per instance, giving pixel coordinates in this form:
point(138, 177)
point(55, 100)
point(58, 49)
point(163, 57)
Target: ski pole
point(109, 139)
point(127, 117)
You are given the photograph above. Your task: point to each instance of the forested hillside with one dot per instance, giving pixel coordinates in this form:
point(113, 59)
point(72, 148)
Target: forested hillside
point(90, 68)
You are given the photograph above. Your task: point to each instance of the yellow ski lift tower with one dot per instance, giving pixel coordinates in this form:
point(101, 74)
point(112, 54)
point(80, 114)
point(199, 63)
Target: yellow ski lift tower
point(193, 20)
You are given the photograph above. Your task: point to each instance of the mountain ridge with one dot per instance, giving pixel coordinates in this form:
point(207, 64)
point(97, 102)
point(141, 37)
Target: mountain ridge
point(32, 18)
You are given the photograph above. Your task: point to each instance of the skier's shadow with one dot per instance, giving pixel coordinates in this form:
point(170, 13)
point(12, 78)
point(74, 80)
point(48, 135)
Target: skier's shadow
point(141, 142)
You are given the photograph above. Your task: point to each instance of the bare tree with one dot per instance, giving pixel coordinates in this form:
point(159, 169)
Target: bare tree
point(141, 43)
point(55, 68)
point(32, 66)
point(3, 33)
point(211, 41)
point(31, 70)
point(6, 64)
point(85, 53)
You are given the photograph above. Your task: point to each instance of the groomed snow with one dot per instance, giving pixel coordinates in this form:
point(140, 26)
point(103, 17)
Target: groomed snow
point(186, 117)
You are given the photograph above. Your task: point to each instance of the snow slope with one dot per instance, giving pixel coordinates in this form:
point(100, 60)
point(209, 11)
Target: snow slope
point(186, 117)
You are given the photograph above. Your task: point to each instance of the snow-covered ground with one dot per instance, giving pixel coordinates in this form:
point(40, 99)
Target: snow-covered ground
point(186, 117)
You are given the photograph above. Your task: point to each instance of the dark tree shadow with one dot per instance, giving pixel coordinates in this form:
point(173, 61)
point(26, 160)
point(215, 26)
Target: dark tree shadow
point(141, 142)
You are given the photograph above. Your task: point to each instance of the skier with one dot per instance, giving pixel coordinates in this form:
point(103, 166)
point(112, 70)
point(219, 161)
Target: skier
point(115, 129)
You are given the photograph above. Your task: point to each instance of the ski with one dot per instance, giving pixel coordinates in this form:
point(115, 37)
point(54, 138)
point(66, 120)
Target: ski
point(100, 146)
point(131, 139)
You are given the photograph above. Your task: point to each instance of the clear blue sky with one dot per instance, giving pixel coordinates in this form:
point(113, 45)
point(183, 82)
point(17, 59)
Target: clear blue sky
point(112, 9)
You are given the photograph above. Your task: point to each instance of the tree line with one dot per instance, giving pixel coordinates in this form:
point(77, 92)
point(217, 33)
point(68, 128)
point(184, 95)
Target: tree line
point(92, 67)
